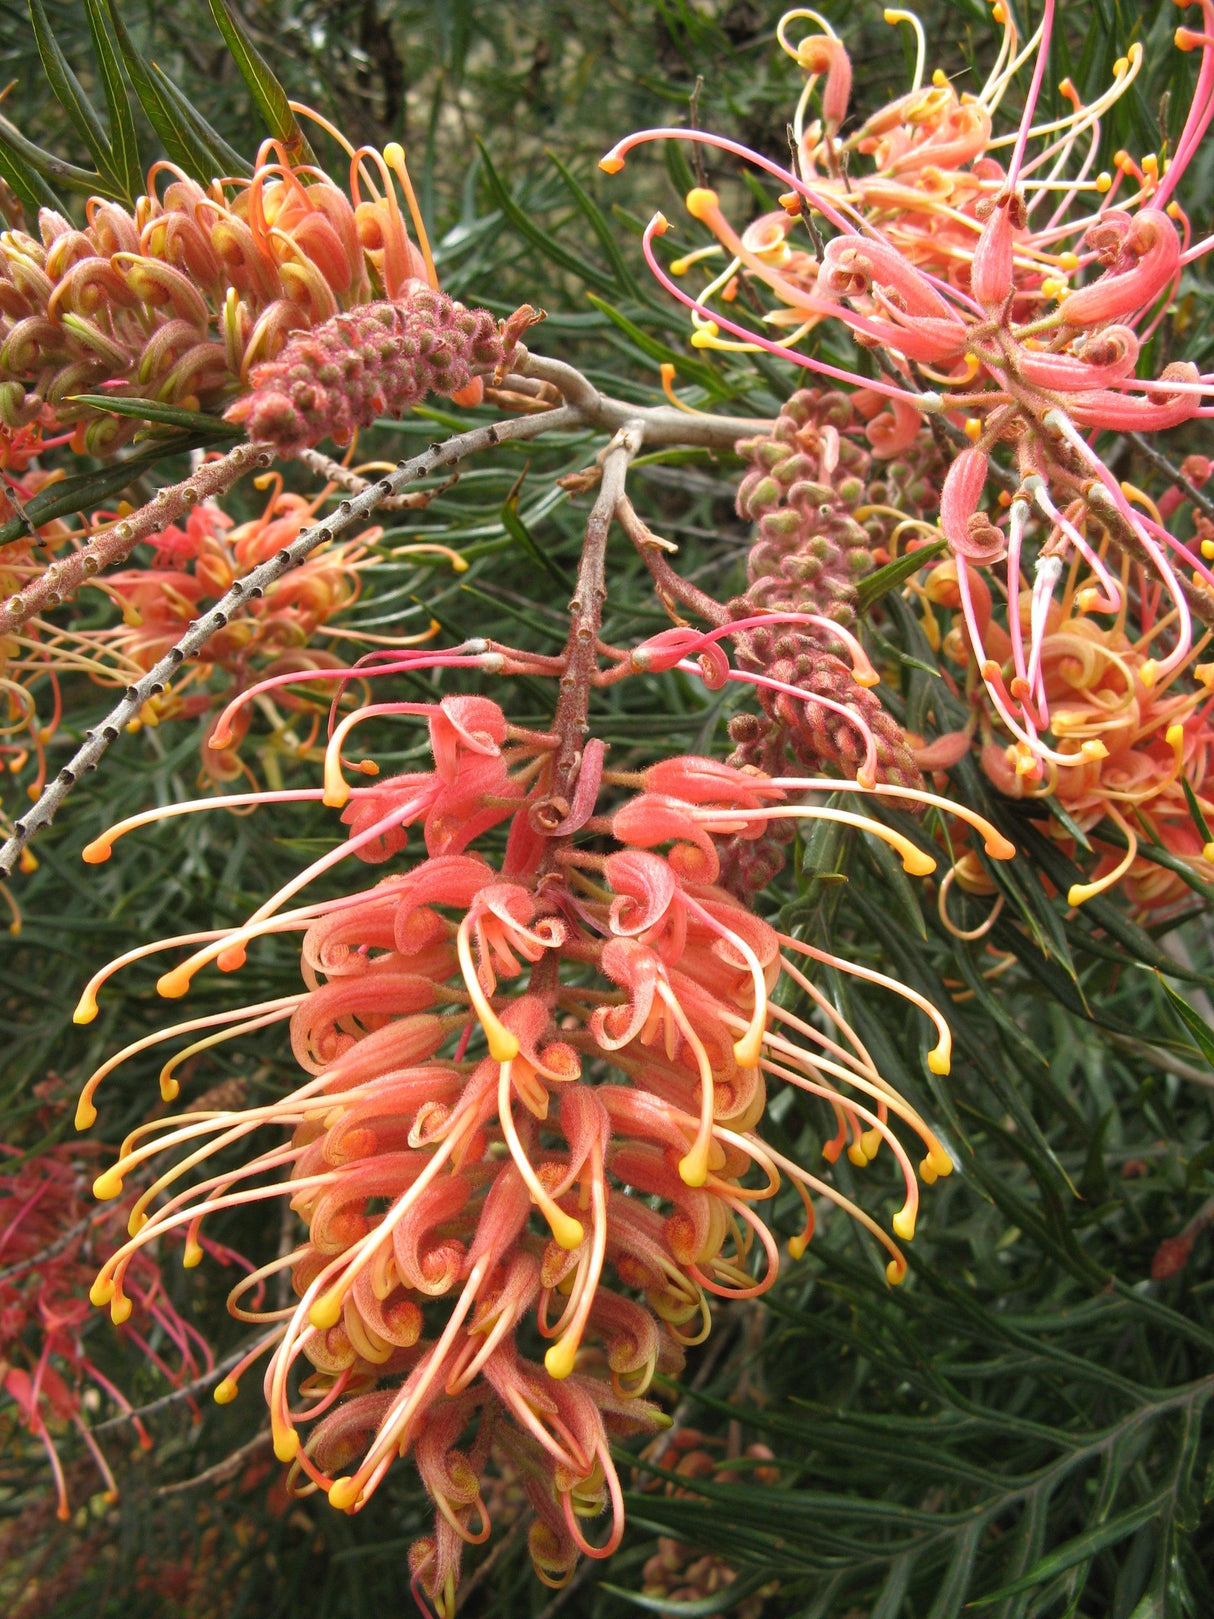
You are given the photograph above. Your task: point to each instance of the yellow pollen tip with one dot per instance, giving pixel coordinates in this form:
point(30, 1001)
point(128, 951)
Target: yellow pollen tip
point(660, 224)
point(1149, 673)
point(138, 1219)
point(1207, 852)
point(1174, 736)
point(693, 1168)
point(326, 1312)
point(120, 1309)
point(917, 863)
point(871, 1142)
point(939, 1058)
point(337, 791)
point(1104, 181)
point(904, 1224)
point(503, 1047)
point(232, 959)
point(1065, 87)
point(895, 1272)
point(560, 1359)
point(1068, 262)
point(86, 1008)
point(1093, 749)
point(86, 1114)
point(193, 1254)
point(343, 1492)
point(749, 1048)
point(174, 984)
point(567, 1232)
point(797, 1247)
point(939, 1160)
point(927, 1172)
point(97, 852)
point(101, 1292)
point(1077, 893)
point(286, 1444)
point(1120, 66)
point(609, 165)
point(394, 153)
point(169, 1089)
point(857, 1155)
point(701, 202)
point(973, 429)
point(225, 1392)
point(108, 1185)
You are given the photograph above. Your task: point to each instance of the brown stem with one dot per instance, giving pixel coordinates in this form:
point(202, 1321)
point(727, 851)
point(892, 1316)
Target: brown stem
point(671, 587)
point(63, 578)
point(586, 610)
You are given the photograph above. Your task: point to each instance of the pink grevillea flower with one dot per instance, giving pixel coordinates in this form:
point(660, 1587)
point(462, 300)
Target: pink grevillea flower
point(533, 1076)
point(1029, 325)
point(49, 1238)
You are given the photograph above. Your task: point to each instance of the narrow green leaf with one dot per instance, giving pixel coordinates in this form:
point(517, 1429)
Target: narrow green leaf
point(25, 182)
point(1199, 820)
point(722, 1601)
point(527, 542)
point(950, 1593)
point(88, 489)
point(125, 146)
point(1079, 1550)
point(872, 588)
point(150, 410)
point(70, 95)
point(69, 175)
point(526, 226)
point(225, 159)
point(269, 95)
point(178, 135)
point(1203, 1035)
point(598, 223)
point(693, 370)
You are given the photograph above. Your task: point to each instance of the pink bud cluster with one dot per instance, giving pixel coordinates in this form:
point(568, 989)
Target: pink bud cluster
point(534, 1081)
point(376, 360)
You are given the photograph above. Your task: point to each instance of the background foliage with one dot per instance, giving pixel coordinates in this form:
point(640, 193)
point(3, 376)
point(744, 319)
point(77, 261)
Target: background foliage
point(1023, 1428)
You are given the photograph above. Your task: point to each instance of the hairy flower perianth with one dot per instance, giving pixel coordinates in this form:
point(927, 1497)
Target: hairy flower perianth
point(49, 1236)
point(1027, 323)
point(534, 1084)
point(180, 301)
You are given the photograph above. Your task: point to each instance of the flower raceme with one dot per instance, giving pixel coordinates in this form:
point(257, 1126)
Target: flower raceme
point(533, 1085)
point(1028, 323)
point(189, 300)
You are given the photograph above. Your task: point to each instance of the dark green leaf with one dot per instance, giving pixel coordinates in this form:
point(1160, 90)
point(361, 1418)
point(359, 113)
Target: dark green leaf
point(271, 98)
point(1079, 1550)
point(150, 410)
point(527, 542)
point(128, 171)
point(1197, 1026)
point(71, 96)
point(875, 585)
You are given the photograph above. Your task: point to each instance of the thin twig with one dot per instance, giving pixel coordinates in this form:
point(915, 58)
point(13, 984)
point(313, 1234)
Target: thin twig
point(55, 1247)
point(671, 587)
point(465, 1590)
point(663, 424)
point(185, 1392)
point(349, 513)
point(345, 478)
point(221, 1470)
point(63, 578)
point(1161, 462)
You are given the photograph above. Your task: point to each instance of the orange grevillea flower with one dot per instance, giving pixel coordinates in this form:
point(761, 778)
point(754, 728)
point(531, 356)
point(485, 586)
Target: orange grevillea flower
point(179, 301)
point(533, 1085)
point(1022, 290)
point(49, 1237)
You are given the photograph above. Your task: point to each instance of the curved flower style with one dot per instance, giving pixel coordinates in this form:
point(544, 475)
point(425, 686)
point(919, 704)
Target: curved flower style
point(1154, 735)
point(534, 1084)
point(181, 301)
point(1030, 327)
point(48, 1240)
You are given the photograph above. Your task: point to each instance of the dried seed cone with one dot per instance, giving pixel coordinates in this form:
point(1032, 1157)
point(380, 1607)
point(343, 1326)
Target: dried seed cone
point(376, 360)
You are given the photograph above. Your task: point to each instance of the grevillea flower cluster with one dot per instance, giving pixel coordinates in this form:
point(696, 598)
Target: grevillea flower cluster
point(536, 1068)
point(1011, 303)
point(50, 1233)
point(183, 299)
